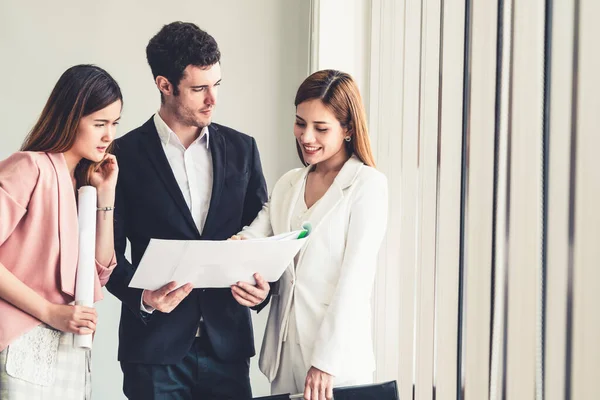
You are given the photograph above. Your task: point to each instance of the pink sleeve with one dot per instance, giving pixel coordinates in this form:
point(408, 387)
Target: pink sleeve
point(105, 271)
point(19, 175)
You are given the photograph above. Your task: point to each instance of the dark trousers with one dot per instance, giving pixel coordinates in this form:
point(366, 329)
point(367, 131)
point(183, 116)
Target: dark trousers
point(199, 376)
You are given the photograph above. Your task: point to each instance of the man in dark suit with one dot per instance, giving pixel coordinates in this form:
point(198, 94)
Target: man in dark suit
point(183, 177)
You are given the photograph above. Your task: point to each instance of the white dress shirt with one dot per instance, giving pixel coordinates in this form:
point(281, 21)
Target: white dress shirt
point(193, 171)
point(192, 168)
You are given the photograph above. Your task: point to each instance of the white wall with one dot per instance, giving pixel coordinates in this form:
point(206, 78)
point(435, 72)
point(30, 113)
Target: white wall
point(265, 57)
point(342, 34)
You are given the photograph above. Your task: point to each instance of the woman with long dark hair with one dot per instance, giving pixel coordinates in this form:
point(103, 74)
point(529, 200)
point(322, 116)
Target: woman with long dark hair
point(319, 329)
point(67, 148)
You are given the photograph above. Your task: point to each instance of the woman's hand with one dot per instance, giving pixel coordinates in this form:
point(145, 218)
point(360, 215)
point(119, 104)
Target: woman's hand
point(104, 176)
point(237, 237)
point(318, 385)
point(74, 319)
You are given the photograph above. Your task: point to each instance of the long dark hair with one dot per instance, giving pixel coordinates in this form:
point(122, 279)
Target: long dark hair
point(80, 91)
point(339, 92)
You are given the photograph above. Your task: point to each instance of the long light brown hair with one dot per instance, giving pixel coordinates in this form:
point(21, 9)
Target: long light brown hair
point(80, 91)
point(339, 92)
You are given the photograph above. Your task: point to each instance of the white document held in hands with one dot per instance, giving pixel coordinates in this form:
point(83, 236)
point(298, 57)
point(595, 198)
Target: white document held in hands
point(216, 264)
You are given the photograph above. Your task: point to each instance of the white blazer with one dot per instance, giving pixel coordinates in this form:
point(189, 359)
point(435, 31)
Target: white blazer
point(332, 284)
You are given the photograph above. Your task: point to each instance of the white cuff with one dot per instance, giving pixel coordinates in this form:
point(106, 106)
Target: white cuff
point(148, 310)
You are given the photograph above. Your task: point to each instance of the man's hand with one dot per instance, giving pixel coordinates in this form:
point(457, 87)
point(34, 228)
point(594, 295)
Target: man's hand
point(248, 295)
point(167, 297)
point(318, 385)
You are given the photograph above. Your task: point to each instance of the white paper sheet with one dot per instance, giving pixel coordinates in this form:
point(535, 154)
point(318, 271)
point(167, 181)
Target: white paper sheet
point(86, 265)
point(305, 231)
point(213, 264)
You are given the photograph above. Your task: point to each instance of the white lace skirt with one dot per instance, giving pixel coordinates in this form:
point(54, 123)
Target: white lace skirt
point(43, 364)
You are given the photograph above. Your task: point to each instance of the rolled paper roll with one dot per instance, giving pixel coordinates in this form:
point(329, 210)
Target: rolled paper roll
point(86, 265)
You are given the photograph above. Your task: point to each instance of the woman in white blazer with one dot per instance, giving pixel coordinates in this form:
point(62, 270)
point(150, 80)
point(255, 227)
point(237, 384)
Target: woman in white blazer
point(318, 333)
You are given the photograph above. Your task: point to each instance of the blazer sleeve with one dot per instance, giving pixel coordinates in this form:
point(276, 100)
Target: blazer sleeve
point(260, 227)
point(104, 271)
point(118, 284)
point(19, 175)
point(256, 193)
point(255, 218)
point(366, 229)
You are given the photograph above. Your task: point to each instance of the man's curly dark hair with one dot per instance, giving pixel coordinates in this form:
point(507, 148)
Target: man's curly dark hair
point(178, 45)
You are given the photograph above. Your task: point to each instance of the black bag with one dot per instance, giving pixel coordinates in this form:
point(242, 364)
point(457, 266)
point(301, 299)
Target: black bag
point(274, 397)
point(377, 391)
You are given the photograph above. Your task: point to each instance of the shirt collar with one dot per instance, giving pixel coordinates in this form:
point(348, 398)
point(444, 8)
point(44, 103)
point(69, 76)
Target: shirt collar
point(166, 134)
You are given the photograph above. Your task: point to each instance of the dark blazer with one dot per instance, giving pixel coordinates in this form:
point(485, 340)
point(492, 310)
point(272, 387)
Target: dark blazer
point(149, 204)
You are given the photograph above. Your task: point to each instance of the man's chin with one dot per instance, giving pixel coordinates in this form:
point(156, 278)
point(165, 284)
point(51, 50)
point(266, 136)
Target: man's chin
point(204, 123)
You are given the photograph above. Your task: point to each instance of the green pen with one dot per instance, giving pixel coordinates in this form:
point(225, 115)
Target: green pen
point(302, 234)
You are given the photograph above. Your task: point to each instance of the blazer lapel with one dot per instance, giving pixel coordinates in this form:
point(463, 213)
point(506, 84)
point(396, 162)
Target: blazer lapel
point(68, 225)
point(156, 154)
point(331, 198)
point(218, 149)
point(288, 202)
point(322, 208)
